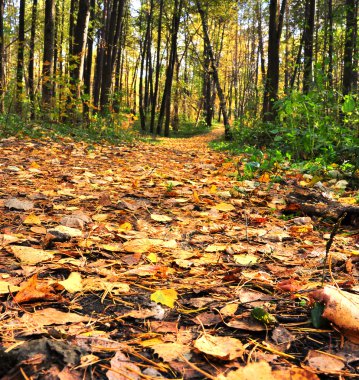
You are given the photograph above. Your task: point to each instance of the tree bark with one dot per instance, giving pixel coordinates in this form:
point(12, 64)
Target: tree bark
point(78, 47)
point(2, 72)
point(272, 78)
point(158, 68)
point(349, 46)
point(48, 57)
point(165, 110)
point(308, 45)
point(222, 100)
point(31, 60)
point(20, 59)
point(111, 50)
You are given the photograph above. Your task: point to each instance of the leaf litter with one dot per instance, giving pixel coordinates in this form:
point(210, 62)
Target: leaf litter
point(142, 261)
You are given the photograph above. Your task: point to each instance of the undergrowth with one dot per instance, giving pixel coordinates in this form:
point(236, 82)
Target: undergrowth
point(307, 134)
point(99, 129)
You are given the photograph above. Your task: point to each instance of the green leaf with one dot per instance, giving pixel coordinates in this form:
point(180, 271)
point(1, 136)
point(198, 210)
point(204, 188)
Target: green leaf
point(316, 314)
point(263, 316)
point(349, 104)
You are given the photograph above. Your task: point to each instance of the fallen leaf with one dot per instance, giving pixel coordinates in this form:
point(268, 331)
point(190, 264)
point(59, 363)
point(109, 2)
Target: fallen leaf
point(32, 219)
point(225, 207)
point(321, 362)
point(73, 283)
point(221, 347)
point(35, 290)
point(31, 256)
point(165, 297)
point(122, 368)
point(19, 204)
point(51, 316)
point(169, 352)
point(341, 308)
point(7, 287)
point(161, 218)
point(245, 259)
point(257, 371)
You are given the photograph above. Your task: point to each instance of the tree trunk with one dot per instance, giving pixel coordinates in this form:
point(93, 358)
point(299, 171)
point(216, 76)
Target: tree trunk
point(222, 100)
point(2, 72)
point(20, 59)
point(31, 60)
point(308, 45)
point(48, 57)
point(272, 78)
point(88, 64)
point(111, 50)
point(165, 110)
point(158, 68)
point(330, 43)
point(78, 47)
point(349, 46)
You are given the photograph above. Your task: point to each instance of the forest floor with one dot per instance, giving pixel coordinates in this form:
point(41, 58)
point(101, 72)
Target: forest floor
point(153, 260)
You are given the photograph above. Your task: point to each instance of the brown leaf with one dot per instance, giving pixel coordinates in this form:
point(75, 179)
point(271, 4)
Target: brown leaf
point(35, 290)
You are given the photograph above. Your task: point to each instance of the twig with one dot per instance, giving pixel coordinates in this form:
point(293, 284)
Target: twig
point(331, 239)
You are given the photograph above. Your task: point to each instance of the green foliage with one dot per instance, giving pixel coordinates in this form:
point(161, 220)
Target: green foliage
point(100, 129)
point(313, 129)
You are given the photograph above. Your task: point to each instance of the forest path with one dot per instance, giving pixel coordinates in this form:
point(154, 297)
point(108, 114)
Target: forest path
point(153, 243)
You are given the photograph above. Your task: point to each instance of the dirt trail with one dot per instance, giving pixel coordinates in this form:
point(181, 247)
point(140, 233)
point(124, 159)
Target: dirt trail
point(130, 253)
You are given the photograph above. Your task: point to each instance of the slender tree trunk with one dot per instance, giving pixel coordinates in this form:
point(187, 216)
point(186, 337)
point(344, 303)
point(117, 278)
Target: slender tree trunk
point(308, 45)
point(330, 43)
point(48, 57)
point(111, 50)
point(356, 52)
point(260, 40)
point(31, 60)
point(20, 59)
point(78, 47)
point(158, 68)
point(2, 72)
point(272, 78)
point(349, 47)
point(73, 8)
point(165, 111)
point(88, 63)
point(222, 100)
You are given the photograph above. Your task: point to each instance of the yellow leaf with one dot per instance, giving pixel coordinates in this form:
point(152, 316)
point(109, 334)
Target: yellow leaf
point(166, 297)
point(31, 256)
point(245, 259)
point(213, 189)
point(196, 197)
point(100, 217)
point(6, 287)
point(124, 227)
point(161, 218)
point(222, 347)
point(73, 283)
point(32, 219)
point(151, 342)
point(152, 257)
point(34, 165)
point(224, 207)
point(264, 178)
point(112, 247)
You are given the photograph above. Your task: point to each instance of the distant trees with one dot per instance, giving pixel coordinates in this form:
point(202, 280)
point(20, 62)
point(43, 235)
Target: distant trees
point(173, 61)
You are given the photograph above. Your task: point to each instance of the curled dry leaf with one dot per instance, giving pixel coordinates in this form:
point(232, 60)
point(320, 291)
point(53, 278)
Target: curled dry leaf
point(19, 204)
point(341, 308)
